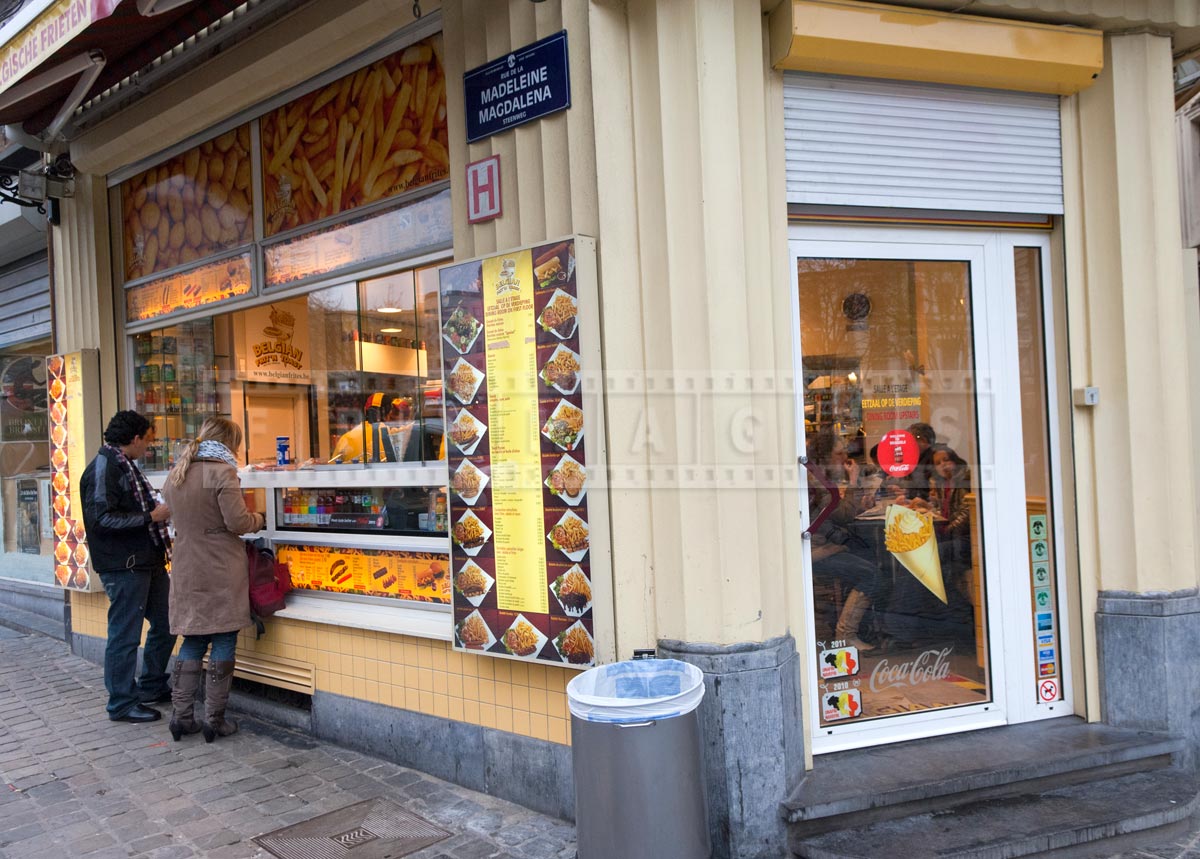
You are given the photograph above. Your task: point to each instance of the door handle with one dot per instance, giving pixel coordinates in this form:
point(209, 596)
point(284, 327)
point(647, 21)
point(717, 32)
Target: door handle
point(835, 496)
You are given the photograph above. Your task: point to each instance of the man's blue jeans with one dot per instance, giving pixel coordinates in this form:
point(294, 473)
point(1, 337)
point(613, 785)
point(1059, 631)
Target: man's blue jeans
point(134, 595)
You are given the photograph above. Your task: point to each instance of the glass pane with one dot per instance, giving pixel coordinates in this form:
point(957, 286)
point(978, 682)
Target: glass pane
point(891, 430)
point(431, 342)
point(1039, 511)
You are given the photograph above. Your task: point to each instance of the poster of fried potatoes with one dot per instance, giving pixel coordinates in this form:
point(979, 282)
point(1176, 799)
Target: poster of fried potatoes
point(189, 207)
point(373, 134)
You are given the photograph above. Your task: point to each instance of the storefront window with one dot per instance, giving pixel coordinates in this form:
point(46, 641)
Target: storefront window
point(894, 460)
point(25, 463)
point(338, 377)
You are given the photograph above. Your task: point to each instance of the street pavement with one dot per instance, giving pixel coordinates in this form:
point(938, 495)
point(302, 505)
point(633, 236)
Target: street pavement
point(73, 783)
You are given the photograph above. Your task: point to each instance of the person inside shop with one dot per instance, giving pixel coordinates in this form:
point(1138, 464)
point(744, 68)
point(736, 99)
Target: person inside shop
point(838, 554)
point(127, 535)
point(879, 486)
point(947, 499)
point(210, 585)
point(919, 477)
point(372, 438)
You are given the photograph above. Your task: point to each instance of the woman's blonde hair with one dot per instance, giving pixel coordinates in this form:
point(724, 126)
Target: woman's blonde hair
point(213, 429)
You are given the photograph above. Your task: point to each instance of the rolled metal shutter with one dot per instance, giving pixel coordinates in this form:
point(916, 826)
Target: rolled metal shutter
point(898, 144)
point(24, 301)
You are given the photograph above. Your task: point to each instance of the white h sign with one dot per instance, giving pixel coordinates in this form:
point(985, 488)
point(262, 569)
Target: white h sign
point(483, 190)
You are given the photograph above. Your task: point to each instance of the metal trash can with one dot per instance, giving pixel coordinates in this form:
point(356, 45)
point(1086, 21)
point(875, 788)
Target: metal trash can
point(636, 750)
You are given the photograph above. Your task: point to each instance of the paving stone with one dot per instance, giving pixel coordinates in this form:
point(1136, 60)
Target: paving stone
point(116, 791)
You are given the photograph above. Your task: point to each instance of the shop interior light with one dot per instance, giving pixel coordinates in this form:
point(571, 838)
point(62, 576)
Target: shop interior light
point(852, 377)
point(388, 309)
point(391, 330)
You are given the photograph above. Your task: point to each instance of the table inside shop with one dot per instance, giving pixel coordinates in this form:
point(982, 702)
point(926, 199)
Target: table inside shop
point(869, 526)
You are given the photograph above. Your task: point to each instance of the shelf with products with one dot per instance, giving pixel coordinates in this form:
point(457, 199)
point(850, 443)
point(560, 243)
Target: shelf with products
point(417, 511)
point(179, 379)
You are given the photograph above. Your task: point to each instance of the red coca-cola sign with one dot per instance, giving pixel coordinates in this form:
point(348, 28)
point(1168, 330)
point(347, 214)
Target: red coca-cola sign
point(898, 453)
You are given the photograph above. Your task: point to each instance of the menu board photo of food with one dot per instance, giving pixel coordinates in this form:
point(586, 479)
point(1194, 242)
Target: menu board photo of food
point(373, 134)
point(518, 438)
point(74, 439)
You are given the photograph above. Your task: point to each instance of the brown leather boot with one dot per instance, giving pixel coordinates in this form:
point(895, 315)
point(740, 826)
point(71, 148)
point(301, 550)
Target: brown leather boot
point(216, 694)
point(183, 698)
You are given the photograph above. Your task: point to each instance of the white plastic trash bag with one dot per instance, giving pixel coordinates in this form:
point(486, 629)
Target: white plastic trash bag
point(642, 690)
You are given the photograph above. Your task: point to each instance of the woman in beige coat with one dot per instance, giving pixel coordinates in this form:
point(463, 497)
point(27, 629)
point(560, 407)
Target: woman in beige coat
point(210, 587)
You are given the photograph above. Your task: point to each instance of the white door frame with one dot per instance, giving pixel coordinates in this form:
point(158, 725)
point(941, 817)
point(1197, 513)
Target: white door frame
point(1000, 477)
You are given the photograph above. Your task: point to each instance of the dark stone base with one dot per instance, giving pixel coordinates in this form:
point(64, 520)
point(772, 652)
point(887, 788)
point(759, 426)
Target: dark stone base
point(750, 721)
point(1149, 671)
point(529, 772)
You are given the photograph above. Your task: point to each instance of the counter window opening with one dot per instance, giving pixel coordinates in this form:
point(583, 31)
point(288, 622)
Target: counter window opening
point(341, 402)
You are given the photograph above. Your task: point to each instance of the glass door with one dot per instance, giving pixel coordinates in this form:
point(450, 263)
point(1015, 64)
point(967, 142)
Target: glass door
point(909, 373)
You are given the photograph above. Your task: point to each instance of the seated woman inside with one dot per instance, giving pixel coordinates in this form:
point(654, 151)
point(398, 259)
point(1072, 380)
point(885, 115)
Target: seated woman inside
point(839, 555)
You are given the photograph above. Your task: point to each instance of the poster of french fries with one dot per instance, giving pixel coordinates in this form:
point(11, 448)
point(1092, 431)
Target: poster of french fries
point(189, 207)
point(374, 133)
point(417, 576)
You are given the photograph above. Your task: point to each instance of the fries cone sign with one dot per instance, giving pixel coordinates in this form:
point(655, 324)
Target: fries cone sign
point(908, 535)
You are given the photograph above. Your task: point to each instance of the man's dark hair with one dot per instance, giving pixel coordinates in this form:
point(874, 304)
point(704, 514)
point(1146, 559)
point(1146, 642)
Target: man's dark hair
point(923, 432)
point(124, 427)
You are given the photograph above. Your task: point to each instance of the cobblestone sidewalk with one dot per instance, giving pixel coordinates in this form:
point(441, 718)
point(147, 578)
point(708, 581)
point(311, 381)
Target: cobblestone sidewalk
point(74, 784)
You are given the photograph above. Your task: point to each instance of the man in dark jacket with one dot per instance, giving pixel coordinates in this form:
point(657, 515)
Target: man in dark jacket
point(127, 537)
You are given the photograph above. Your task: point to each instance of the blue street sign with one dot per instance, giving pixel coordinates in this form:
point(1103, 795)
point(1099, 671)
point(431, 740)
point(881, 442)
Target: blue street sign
point(520, 87)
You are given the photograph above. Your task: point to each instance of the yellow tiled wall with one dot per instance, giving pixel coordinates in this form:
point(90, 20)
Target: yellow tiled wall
point(401, 671)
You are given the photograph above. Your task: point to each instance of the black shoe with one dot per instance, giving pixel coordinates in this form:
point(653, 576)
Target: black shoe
point(161, 698)
point(138, 714)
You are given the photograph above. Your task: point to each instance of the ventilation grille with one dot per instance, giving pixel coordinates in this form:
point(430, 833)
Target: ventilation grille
point(275, 671)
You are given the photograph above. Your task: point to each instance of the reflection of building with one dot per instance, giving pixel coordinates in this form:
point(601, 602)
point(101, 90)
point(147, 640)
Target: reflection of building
point(1009, 217)
point(26, 562)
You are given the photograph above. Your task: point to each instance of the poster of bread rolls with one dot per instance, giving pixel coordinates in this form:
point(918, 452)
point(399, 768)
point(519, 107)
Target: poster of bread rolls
point(189, 207)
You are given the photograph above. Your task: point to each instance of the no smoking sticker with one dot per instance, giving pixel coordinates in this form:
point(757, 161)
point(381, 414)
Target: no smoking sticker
point(1048, 690)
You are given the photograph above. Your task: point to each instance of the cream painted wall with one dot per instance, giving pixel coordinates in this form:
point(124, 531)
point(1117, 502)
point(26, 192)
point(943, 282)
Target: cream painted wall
point(1131, 297)
point(693, 234)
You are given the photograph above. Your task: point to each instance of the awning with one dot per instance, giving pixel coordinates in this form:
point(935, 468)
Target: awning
point(846, 37)
point(76, 48)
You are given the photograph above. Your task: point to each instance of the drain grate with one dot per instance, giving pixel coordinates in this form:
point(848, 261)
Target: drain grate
point(374, 829)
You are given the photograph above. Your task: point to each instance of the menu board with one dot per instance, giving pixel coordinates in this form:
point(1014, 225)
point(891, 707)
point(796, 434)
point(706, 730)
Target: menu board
point(373, 134)
point(419, 576)
point(192, 206)
point(206, 284)
point(73, 384)
point(422, 224)
point(519, 431)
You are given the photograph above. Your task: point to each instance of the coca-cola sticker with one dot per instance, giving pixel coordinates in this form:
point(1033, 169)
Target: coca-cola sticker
point(927, 667)
point(898, 453)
